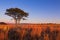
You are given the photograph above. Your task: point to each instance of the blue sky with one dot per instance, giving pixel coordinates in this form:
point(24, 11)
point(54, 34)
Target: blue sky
point(40, 11)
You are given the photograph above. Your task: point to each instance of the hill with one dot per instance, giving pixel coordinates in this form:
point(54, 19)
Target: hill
point(3, 23)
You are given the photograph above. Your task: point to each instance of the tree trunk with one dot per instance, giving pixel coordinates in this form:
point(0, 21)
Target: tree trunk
point(15, 22)
point(18, 21)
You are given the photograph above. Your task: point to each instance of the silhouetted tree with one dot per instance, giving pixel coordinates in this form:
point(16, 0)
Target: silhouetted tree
point(17, 14)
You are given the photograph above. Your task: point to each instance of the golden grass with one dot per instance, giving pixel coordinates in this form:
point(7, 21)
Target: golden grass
point(37, 28)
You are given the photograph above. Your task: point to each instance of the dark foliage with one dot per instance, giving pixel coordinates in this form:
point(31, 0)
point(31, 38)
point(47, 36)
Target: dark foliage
point(13, 35)
point(28, 36)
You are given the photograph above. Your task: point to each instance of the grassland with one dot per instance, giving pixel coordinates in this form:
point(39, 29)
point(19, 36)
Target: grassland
point(36, 29)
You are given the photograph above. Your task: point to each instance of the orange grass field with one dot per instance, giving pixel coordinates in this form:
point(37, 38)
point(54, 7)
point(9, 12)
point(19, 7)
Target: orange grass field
point(34, 26)
point(37, 28)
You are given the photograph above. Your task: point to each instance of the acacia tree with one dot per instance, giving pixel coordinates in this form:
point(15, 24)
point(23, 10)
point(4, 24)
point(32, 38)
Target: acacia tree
point(17, 14)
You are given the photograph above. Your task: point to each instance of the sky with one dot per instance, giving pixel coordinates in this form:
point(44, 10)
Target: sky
point(40, 11)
